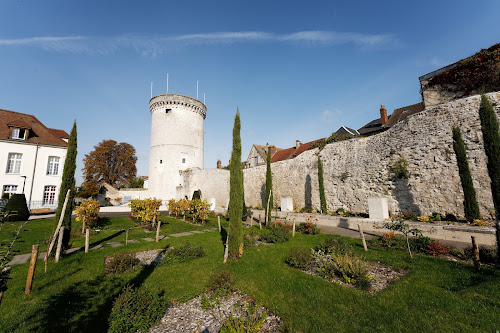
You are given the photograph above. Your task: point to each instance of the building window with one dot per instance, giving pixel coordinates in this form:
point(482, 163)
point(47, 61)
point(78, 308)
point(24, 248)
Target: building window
point(9, 189)
point(49, 194)
point(53, 166)
point(14, 163)
point(183, 160)
point(168, 110)
point(17, 133)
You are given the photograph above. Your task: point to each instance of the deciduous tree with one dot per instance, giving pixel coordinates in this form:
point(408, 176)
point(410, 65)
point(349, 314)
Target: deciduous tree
point(111, 162)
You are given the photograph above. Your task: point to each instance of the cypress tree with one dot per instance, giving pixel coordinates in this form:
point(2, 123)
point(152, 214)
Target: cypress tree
point(491, 138)
point(471, 207)
point(68, 183)
point(322, 197)
point(235, 193)
point(269, 188)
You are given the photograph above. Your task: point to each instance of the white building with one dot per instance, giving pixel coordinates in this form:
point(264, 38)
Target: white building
point(31, 158)
point(177, 124)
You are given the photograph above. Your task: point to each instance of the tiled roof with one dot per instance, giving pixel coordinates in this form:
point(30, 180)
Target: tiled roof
point(372, 126)
point(262, 150)
point(60, 133)
point(346, 130)
point(38, 132)
point(404, 112)
point(289, 153)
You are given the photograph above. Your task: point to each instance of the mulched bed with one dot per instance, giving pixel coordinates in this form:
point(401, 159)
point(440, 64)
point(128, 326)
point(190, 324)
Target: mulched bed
point(190, 317)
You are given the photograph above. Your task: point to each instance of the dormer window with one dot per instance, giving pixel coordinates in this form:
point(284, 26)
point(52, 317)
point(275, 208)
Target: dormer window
point(18, 133)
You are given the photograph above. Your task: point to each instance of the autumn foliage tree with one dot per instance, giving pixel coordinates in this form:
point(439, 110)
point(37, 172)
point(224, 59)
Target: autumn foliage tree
point(111, 162)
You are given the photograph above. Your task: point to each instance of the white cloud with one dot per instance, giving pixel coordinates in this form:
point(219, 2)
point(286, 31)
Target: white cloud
point(329, 116)
point(156, 45)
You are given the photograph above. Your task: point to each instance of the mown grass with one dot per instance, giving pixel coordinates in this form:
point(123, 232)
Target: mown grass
point(436, 294)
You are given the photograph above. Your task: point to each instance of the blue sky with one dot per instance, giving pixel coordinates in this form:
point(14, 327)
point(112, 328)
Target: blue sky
point(296, 69)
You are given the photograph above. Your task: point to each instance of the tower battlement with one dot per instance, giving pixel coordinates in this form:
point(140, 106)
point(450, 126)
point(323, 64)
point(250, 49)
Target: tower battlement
point(186, 102)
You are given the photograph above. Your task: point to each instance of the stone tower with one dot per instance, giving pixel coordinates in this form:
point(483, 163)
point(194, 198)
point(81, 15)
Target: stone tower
point(177, 123)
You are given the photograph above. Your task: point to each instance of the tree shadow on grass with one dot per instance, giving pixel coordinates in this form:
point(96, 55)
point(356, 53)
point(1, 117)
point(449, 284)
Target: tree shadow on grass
point(103, 222)
point(86, 306)
point(107, 238)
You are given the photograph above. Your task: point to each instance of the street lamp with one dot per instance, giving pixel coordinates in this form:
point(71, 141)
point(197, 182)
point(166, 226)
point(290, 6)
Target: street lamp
point(24, 182)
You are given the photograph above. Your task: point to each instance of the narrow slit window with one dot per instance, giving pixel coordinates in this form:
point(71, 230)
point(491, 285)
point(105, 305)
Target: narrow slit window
point(168, 110)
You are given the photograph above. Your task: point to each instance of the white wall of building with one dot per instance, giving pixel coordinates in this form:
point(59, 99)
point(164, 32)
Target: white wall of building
point(34, 170)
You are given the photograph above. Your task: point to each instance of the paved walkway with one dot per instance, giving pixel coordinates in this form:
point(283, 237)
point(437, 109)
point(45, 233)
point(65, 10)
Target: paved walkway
point(23, 258)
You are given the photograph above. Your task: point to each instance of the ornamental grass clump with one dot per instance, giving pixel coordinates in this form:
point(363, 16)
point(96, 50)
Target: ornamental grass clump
point(346, 266)
point(121, 263)
point(183, 253)
point(299, 258)
point(136, 310)
point(278, 233)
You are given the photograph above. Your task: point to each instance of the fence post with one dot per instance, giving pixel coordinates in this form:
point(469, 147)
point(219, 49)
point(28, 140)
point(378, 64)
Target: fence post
point(260, 223)
point(126, 237)
point(362, 237)
point(293, 231)
point(218, 221)
point(59, 244)
point(475, 249)
point(158, 232)
point(87, 239)
point(31, 270)
point(226, 252)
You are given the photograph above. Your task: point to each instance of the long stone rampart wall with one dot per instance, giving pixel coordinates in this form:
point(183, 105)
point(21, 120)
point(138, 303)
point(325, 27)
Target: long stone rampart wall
point(357, 169)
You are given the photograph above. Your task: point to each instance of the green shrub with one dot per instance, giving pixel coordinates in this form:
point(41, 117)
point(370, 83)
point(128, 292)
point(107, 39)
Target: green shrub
point(221, 282)
point(299, 258)
point(136, 310)
point(249, 322)
point(18, 207)
point(399, 169)
point(276, 234)
point(450, 217)
point(435, 217)
point(334, 244)
point(418, 244)
point(308, 228)
point(182, 253)
point(121, 263)
point(196, 195)
point(487, 254)
point(346, 266)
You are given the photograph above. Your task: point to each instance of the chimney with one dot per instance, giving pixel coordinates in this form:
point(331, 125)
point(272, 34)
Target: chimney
point(272, 150)
point(297, 144)
point(219, 164)
point(383, 115)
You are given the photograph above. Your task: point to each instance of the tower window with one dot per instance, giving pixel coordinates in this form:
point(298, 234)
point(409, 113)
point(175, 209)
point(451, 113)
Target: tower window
point(168, 110)
point(183, 160)
point(161, 161)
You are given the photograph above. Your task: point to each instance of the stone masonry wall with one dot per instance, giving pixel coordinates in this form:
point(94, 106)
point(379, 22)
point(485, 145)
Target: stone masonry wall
point(357, 169)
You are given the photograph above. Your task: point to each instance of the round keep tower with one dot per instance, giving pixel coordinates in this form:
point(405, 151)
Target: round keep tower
point(177, 124)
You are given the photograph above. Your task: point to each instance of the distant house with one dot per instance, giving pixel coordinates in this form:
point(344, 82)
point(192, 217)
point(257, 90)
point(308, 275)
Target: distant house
point(286, 154)
point(258, 155)
point(385, 122)
point(343, 130)
point(32, 156)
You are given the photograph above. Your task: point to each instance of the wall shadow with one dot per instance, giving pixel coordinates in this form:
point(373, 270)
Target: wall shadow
point(308, 193)
point(404, 197)
point(263, 195)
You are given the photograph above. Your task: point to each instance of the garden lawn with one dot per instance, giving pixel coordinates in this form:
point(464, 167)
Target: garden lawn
point(436, 294)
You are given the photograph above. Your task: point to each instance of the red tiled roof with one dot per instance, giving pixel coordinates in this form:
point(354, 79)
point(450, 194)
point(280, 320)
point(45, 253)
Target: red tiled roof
point(38, 132)
point(290, 153)
point(60, 133)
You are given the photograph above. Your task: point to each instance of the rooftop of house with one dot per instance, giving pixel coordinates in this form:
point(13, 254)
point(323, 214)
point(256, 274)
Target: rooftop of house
point(38, 132)
point(292, 152)
point(262, 150)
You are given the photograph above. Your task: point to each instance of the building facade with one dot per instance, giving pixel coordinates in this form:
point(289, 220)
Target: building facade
point(32, 159)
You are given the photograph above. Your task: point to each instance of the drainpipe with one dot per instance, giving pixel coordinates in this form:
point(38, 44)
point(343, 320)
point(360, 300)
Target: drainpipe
point(33, 176)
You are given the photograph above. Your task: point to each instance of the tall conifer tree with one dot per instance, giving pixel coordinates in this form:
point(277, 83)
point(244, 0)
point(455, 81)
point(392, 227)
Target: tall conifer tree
point(471, 207)
point(68, 183)
point(491, 138)
point(235, 208)
point(322, 197)
point(269, 188)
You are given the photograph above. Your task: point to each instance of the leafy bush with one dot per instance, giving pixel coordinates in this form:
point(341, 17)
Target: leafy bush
point(145, 210)
point(450, 217)
point(487, 254)
point(308, 228)
point(276, 234)
point(249, 322)
point(18, 208)
point(121, 263)
point(334, 244)
point(136, 310)
point(419, 243)
point(435, 248)
point(299, 258)
point(182, 253)
point(87, 213)
point(435, 217)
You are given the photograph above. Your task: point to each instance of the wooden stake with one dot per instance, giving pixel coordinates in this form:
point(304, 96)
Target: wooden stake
point(126, 237)
point(293, 230)
point(87, 239)
point(59, 244)
point(475, 248)
point(226, 252)
point(218, 221)
point(362, 237)
point(260, 223)
point(53, 239)
point(158, 232)
point(31, 270)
